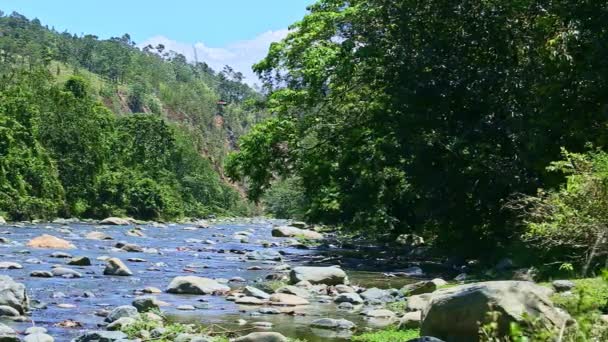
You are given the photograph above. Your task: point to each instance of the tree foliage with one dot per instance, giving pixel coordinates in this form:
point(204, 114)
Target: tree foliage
point(427, 115)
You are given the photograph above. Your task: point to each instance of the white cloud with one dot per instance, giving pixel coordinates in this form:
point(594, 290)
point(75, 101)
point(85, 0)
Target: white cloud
point(239, 55)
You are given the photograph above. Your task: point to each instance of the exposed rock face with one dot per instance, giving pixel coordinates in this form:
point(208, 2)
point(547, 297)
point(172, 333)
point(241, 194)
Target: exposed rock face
point(13, 294)
point(196, 285)
point(286, 231)
point(115, 221)
point(453, 314)
point(50, 242)
point(318, 275)
point(262, 337)
point(116, 267)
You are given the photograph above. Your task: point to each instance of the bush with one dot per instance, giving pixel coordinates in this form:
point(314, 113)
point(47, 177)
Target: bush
point(285, 199)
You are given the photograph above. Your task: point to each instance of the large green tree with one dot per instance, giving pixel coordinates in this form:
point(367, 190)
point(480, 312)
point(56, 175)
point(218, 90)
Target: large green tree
point(426, 115)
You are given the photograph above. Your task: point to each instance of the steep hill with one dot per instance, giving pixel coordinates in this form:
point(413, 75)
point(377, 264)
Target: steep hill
point(80, 94)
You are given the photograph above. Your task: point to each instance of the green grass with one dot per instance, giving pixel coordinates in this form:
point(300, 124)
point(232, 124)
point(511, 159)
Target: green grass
point(388, 335)
point(397, 307)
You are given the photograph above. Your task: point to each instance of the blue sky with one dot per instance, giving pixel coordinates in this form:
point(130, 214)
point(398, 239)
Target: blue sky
point(235, 32)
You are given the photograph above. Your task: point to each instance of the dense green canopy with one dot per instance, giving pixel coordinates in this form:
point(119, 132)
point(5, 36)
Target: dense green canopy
point(425, 116)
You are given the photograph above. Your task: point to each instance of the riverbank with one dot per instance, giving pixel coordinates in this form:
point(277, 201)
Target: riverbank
point(237, 276)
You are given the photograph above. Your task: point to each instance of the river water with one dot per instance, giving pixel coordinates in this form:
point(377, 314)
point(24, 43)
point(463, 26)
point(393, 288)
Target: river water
point(179, 252)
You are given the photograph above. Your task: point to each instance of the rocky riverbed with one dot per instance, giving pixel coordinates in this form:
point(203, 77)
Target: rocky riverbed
point(62, 266)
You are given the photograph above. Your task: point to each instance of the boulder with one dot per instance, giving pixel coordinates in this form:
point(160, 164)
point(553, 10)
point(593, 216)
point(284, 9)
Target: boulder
point(143, 304)
point(7, 334)
point(376, 294)
point(121, 323)
point(335, 324)
point(41, 274)
point(13, 294)
point(50, 242)
point(563, 285)
point(249, 301)
point(196, 285)
point(255, 292)
point(419, 288)
point(262, 337)
point(454, 313)
point(352, 298)
point(8, 265)
point(116, 267)
point(80, 261)
point(298, 224)
point(115, 221)
point(410, 320)
point(294, 290)
point(8, 311)
point(286, 231)
point(267, 254)
point(380, 313)
point(101, 336)
point(38, 337)
point(122, 311)
point(97, 236)
point(318, 275)
point(283, 299)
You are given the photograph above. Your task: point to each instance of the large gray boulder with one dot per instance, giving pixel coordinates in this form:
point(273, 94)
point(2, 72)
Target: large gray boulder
point(318, 275)
point(286, 231)
point(7, 334)
point(13, 294)
point(115, 221)
point(122, 311)
point(116, 267)
point(453, 314)
point(196, 285)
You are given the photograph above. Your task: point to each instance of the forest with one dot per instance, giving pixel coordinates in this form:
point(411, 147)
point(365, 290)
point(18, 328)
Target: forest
point(93, 128)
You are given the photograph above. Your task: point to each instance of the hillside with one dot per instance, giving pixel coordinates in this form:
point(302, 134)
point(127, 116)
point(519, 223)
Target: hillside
point(80, 94)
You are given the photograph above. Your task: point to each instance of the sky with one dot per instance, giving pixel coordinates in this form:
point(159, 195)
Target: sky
point(234, 32)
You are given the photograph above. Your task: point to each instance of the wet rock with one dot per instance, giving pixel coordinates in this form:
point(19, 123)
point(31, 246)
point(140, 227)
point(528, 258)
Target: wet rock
point(80, 261)
point(50, 242)
point(196, 285)
point(294, 290)
point(380, 313)
point(136, 260)
point(35, 330)
point(267, 254)
point(60, 255)
point(34, 261)
point(151, 290)
point(8, 265)
point(121, 323)
point(249, 301)
point(101, 336)
point(410, 320)
point(237, 280)
point(115, 221)
point(563, 285)
point(283, 299)
point(269, 311)
point(352, 298)
point(286, 231)
point(335, 324)
point(8, 311)
point(122, 311)
point(454, 312)
point(255, 292)
point(318, 275)
point(186, 307)
point(419, 288)
point(135, 232)
point(98, 236)
point(262, 337)
point(129, 247)
point(414, 271)
point(38, 337)
point(143, 304)
point(116, 267)
point(65, 272)
point(7, 334)
point(376, 294)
